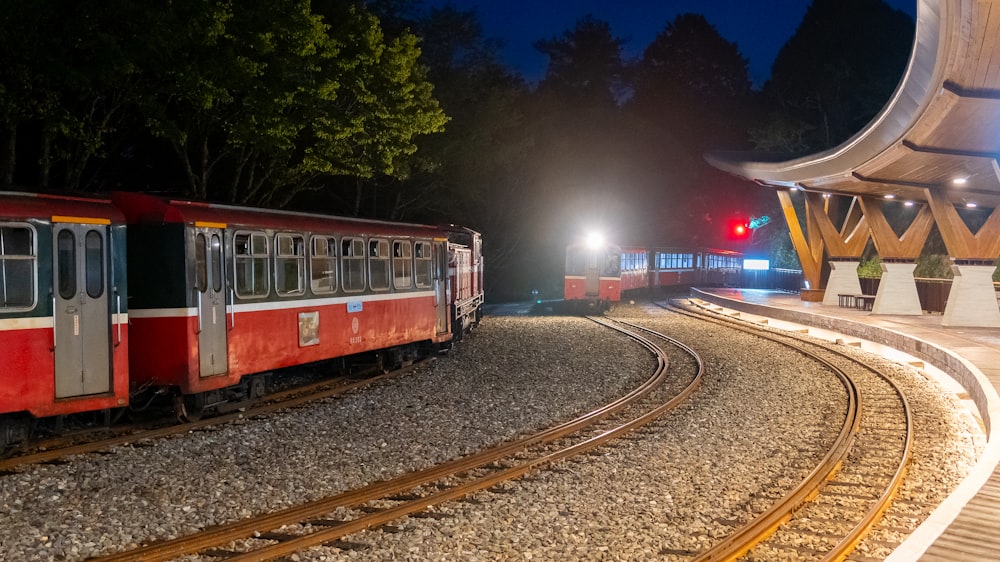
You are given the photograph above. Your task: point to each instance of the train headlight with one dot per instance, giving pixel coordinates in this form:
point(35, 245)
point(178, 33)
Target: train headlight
point(595, 240)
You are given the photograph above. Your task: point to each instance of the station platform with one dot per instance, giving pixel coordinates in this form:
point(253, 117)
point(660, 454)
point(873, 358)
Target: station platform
point(964, 526)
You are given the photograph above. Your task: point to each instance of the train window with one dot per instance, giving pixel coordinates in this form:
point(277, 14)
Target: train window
point(66, 258)
point(576, 260)
point(323, 265)
point(612, 265)
point(423, 264)
point(378, 264)
point(402, 264)
point(200, 263)
point(251, 264)
point(93, 244)
point(352, 256)
point(18, 267)
point(216, 253)
point(290, 265)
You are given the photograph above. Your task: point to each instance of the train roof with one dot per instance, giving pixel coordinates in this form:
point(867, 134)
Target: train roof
point(18, 205)
point(145, 208)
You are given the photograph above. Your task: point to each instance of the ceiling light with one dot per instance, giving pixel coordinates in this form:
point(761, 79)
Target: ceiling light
point(889, 196)
point(908, 203)
point(971, 204)
point(960, 181)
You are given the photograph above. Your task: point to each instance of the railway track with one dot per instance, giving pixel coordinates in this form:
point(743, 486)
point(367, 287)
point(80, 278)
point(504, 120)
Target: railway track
point(54, 449)
point(328, 521)
point(826, 515)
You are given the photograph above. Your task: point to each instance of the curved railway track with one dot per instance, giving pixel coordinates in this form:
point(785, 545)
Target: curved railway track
point(846, 494)
point(327, 521)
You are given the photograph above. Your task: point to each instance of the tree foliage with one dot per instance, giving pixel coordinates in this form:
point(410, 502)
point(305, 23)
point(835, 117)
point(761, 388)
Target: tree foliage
point(585, 64)
point(695, 82)
point(256, 100)
point(834, 74)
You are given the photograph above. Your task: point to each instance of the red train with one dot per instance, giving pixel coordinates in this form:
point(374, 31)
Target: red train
point(598, 273)
point(101, 299)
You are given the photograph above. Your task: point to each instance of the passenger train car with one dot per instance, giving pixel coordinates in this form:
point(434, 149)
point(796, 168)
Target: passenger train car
point(598, 273)
point(102, 299)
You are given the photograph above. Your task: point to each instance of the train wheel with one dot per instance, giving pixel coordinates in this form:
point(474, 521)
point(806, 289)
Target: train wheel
point(257, 387)
point(186, 409)
point(13, 431)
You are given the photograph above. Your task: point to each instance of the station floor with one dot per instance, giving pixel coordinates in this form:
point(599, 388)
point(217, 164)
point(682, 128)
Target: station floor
point(966, 527)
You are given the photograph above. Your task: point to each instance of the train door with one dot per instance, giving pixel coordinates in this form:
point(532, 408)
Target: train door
point(441, 286)
point(81, 311)
point(592, 273)
point(210, 297)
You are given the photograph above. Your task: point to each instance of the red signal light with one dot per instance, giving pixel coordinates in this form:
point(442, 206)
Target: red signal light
point(738, 230)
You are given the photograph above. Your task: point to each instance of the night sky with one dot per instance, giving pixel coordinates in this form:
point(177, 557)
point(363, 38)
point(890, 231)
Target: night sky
point(759, 27)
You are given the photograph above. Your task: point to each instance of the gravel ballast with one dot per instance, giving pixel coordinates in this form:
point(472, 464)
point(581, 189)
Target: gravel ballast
point(657, 496)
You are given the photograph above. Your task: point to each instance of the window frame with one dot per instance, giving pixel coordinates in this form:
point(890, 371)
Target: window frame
point(252, 257)
point(429, 259)
point(32, 257)
point(281, 259)
point(375, 255)
point(352, 257)
point(404, 281)
point(334, 259)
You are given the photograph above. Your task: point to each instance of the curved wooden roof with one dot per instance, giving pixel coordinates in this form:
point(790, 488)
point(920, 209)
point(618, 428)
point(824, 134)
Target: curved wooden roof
point(939, 131)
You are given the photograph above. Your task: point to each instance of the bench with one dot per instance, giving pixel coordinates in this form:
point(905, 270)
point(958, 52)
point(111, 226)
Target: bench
point(860, 302)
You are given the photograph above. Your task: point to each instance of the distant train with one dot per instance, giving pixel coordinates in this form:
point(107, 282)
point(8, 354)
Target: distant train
point(599, 273)
point(104, 299)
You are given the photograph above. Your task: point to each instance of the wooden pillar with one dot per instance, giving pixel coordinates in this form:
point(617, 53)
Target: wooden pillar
point(844, 246)
point(897, 291)
point(808, 246)
point(972, 300)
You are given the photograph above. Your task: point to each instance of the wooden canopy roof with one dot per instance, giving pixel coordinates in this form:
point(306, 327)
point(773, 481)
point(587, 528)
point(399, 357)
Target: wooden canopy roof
point(939, 133)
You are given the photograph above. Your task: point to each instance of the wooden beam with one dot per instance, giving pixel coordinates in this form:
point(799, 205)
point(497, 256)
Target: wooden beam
point(809, 249)
point(839, 245)
point(961, 243)
point(888, 244)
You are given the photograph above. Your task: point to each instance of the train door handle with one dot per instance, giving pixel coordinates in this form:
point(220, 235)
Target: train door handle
point(54, 326)
point(199, 311)
point(118, 318)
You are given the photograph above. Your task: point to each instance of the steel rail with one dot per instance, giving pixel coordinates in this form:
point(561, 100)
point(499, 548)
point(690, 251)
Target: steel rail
point(871, 517)
point(248, 528)
point(272, 403)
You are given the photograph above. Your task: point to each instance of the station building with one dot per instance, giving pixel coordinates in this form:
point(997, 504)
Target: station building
point(934, 147)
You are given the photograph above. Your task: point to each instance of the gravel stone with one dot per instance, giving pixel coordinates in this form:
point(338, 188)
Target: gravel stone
point(660, 495)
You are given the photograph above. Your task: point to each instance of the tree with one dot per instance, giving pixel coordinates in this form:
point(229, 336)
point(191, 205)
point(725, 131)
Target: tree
point(67, 72)
point(585, 64)
point(835, 73)
point(274, 97)
point(694, 83)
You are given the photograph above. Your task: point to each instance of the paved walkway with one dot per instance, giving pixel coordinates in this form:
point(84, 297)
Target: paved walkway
point(965, 526)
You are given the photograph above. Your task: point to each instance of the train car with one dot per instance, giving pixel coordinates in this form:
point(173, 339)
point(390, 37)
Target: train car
point(105, 299)
point(720, 268)
point(63, 310)
point(224, 295)
point(634, 269)
point(599, 274)
point(465, 278)
point(593, 274)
